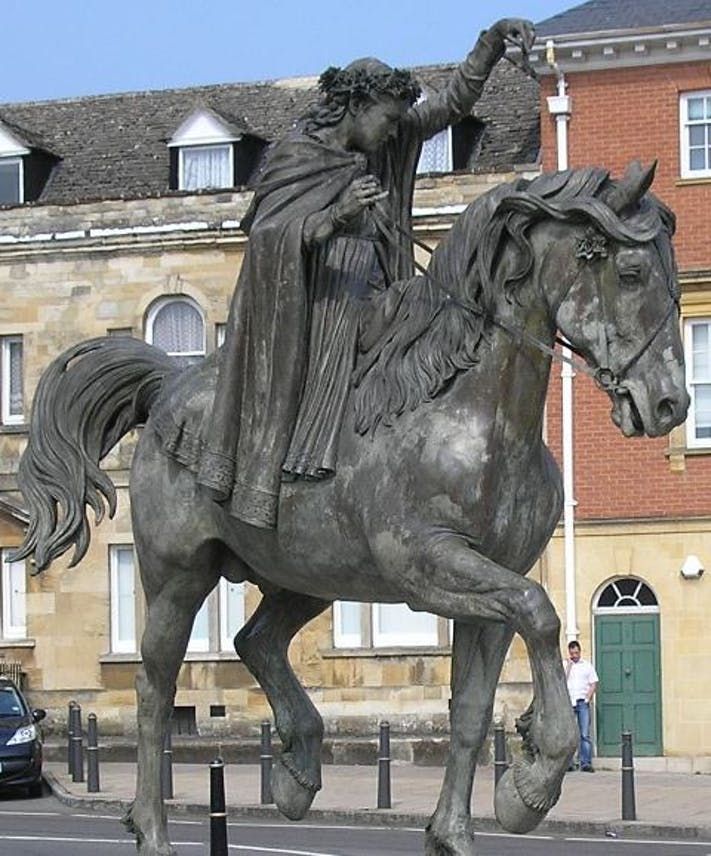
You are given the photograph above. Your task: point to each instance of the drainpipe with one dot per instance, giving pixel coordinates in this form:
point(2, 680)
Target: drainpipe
point(559, 105)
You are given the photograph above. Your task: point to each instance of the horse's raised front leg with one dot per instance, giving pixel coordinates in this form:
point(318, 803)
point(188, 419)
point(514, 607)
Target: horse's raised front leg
point(262, 645)
point(455, 580)
point(478, 653)
point(170, 613)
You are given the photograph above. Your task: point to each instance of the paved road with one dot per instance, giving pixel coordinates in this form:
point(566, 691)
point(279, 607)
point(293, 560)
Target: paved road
point(44, 827)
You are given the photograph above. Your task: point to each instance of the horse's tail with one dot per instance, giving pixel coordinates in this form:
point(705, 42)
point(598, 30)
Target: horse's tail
point(85, 402)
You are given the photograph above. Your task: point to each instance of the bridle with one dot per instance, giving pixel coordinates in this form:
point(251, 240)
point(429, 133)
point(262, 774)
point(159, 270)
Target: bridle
point(605, 377)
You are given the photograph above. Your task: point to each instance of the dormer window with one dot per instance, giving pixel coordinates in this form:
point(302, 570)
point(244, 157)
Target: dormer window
point(436, 155)
point(13, 151)
point(11, 181)
point(203, 152)
point(25, 165)
point(202, 167)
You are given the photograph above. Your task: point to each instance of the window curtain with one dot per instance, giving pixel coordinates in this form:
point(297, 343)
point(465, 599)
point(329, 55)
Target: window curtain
point(206, 166)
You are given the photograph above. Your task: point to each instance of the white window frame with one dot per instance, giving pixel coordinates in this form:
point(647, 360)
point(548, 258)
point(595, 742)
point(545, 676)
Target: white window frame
point(340, 638)
point(200, 644)
point(402, 638)
point(227, 633)
point(220, 633)
point(14, 599)
point(6, 344)
point(20, 177)
point(220, 334)
point(370, 634)
point(684, 125)
point(182, 150)
point(692, 441)
point(154, 311)
point(637, 609)
point(119, 645)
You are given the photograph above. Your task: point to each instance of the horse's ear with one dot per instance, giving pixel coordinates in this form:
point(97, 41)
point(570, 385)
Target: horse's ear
point(632, 186)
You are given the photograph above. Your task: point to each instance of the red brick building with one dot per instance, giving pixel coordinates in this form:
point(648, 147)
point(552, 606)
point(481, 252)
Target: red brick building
point(622, 82)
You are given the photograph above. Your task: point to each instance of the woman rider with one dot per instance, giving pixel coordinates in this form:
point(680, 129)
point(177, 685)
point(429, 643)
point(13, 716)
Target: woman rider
point(321, 242)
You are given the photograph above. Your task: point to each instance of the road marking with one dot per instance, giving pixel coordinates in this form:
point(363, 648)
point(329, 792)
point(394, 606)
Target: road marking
point(651, 841)
point(57, 839)
point(33, 813)
point(66, 840)
point(256, 849)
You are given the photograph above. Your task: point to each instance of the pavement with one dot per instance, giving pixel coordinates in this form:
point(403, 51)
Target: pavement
point(669, 805)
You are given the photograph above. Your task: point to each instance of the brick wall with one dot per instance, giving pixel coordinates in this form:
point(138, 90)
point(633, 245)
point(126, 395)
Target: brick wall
point(634, 113)
point(620, 115)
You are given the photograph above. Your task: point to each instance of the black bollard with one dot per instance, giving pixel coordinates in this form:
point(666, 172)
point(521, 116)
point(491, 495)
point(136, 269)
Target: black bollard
point(77, 747)
point(500, 765)
point(629, 807)
point(92, 755)
point(166, 769)
point(384, 796)
point(265, 761)
point(218, 813)
point(70, 734)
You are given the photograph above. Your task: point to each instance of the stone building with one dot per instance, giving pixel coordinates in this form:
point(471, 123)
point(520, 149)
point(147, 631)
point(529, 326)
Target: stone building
point(119, 215)
point(624, 81)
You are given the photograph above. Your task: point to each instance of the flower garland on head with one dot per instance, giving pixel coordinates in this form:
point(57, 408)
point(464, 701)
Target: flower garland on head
point(343, 85)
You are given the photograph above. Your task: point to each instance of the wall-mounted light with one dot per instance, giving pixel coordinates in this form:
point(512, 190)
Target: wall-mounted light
point(692, 569)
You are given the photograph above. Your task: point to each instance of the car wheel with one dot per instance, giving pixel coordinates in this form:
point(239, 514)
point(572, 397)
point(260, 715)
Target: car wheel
point(36, 789)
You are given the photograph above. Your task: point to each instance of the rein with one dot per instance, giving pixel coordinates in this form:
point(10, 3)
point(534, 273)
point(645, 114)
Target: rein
point(604, 377)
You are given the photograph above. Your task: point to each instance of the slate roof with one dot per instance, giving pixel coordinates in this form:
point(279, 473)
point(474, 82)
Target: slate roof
point(605, 15)
point(114, 146)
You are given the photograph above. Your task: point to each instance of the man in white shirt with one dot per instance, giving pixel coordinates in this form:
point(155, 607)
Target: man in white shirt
point(582, 682)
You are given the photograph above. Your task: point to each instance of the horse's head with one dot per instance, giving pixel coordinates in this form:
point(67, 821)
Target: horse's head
point(618, 304)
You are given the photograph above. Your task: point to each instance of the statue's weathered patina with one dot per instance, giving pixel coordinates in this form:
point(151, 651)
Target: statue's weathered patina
point(444, 494)
point(327, 231)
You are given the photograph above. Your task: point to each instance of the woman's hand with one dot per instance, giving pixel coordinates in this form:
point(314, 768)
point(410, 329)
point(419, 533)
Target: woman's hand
point(517, 32)
point(359, 195)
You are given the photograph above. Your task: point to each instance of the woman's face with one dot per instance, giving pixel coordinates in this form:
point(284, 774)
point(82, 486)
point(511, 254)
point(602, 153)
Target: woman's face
point(376, 122)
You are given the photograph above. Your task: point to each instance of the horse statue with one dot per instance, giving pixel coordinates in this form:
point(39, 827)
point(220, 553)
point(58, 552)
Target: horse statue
point(444, 497)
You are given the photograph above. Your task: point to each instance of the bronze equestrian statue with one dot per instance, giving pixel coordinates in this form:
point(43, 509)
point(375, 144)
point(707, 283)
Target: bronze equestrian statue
point(417, 472)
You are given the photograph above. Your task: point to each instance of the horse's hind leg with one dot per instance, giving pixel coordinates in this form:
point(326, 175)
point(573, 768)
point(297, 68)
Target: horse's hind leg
point(478, 652)
point(262, 644)
point(171, 609)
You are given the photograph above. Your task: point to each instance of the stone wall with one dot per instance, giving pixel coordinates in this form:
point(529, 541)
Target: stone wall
point(69, 273)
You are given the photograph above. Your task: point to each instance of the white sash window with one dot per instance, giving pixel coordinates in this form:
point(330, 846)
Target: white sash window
point(13, 596)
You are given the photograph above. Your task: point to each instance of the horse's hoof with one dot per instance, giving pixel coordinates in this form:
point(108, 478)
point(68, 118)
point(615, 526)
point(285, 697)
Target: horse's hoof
point(291, 797)
point(458, 844)
point(511, 811)
point(145, 849)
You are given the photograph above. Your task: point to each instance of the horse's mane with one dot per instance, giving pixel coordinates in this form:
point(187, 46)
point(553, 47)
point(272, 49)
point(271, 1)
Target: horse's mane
point(438, 320)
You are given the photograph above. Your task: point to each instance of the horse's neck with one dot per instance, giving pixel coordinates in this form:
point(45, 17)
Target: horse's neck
point(512, 371)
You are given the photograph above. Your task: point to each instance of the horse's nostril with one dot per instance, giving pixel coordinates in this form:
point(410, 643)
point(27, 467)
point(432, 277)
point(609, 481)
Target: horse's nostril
point(666, 410)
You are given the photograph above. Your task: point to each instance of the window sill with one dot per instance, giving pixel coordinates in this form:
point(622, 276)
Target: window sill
point(19, 428)
point(686, 181)
point(688, 451)
point(399, 651)
point(17, 643)
point(194, 657)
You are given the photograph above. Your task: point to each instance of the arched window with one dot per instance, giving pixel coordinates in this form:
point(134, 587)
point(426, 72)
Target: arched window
point(176, 325)
point(626, 594)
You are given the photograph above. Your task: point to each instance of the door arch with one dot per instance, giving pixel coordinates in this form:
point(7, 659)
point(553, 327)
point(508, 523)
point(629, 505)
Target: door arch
point(628, 662)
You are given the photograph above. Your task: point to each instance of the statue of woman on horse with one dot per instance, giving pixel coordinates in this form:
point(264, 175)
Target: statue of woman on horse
point(327, 231)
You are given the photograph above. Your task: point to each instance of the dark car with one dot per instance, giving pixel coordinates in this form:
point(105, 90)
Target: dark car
point(20, 740)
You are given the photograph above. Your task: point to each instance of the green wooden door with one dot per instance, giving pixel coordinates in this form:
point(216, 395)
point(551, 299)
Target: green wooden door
point(627, 660)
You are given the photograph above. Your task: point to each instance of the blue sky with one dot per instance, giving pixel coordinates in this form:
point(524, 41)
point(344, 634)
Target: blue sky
point(82, 47)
